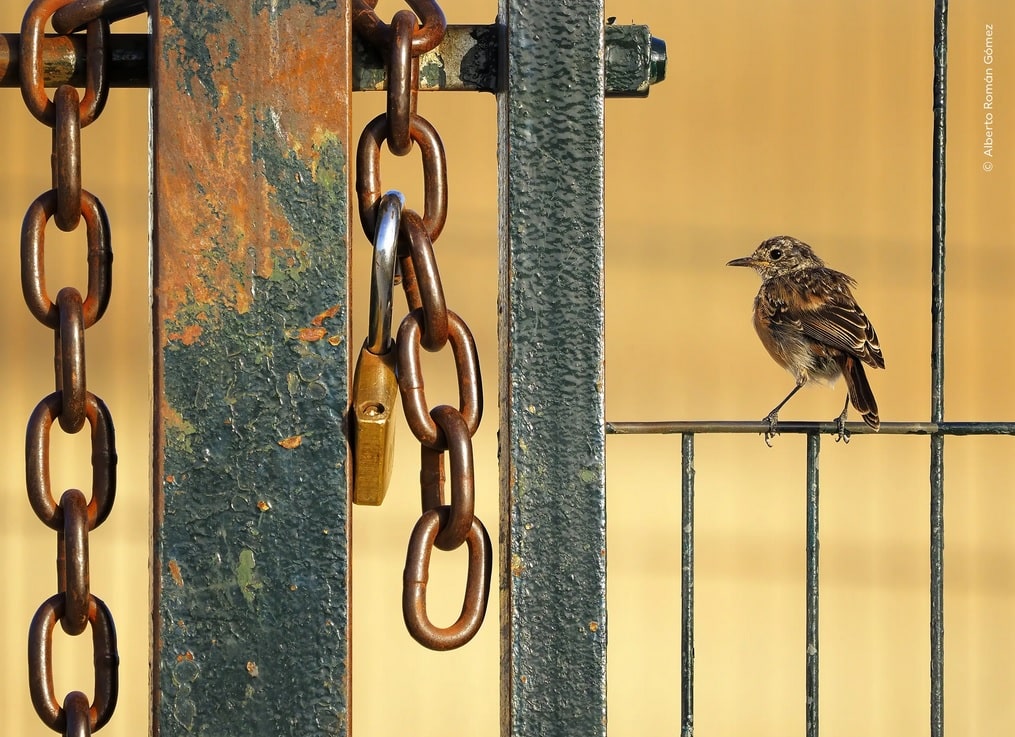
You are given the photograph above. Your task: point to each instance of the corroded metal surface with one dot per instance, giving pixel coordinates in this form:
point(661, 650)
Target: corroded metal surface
point(553, 520)
point(63, 60)
point(250, 225)
point(466, 59)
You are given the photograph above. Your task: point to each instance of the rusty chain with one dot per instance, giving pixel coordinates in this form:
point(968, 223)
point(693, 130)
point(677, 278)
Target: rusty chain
point(429, 324)
point(74, 606)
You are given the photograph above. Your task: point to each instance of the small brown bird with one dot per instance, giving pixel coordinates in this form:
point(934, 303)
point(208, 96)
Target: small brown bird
point(810, 324)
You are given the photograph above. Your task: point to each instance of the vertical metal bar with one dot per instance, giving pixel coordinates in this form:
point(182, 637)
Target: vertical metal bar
point(813, 546)
point(687, 586)
point(937, 374)
point(250, 178)
point(553, 509)
point(938, 207)
point(937, 604)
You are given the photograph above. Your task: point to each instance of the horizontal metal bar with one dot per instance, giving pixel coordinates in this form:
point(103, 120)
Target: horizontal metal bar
point(467, 60)
point(800, 428)
point(63, 59)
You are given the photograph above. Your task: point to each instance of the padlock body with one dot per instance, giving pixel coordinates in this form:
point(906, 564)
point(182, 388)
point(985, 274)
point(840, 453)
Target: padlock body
point(374, 396)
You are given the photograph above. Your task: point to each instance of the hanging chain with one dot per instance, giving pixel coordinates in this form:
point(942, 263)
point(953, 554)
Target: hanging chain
point(429, 324)
point(74, 606)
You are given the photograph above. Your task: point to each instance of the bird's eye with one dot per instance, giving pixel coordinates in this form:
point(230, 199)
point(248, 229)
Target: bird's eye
point(775, 254)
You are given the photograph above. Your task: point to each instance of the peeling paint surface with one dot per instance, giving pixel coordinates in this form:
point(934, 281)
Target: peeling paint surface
point(251, 172)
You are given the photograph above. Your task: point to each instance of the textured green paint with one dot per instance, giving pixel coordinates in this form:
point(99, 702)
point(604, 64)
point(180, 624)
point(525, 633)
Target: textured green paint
point(211, 18)
point(305, 194)
point(553, 593)
point(634, 61)
point(251, 236)
point(261, 587)
point(481, 57)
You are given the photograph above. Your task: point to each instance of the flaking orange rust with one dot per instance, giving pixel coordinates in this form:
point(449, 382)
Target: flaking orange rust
point(311, 335)
point(208, 254)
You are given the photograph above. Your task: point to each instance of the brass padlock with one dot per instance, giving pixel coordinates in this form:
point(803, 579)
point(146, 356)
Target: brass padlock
point(375, 394)
point(374, 385)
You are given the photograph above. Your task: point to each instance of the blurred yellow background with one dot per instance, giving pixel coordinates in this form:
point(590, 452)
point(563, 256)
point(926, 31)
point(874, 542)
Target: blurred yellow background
point(812, 119)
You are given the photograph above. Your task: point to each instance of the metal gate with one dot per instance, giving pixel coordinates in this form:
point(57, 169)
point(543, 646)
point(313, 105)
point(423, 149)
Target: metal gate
point(252, 153)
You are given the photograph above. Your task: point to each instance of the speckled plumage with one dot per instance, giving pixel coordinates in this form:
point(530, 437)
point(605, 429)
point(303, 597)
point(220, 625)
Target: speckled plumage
point(809, 322)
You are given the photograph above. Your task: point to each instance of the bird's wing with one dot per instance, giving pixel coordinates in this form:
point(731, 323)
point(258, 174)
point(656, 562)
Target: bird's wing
point(819, 304)
point(840, 323)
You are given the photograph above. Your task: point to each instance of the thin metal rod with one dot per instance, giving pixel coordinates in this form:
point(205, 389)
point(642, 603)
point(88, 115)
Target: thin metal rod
point(799, 428)
point(937, 307)
point(687, 587)
point(937, 629)
point(937, 596)
point(813, 448)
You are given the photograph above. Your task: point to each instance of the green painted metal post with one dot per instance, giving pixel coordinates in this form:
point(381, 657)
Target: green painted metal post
point(250, 156)
point(553, 519)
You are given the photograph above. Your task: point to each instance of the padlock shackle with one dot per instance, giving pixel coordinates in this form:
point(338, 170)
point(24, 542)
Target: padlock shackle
point(382, 276)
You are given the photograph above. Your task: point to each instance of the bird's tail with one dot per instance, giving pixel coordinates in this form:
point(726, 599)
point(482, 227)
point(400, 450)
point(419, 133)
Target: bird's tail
point(860, 394)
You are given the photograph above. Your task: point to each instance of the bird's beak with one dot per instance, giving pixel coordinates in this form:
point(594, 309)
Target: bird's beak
point(745, 261)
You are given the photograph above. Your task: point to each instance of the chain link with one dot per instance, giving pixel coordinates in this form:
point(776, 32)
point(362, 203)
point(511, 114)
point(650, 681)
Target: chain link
point(403, 83)
point(69, 316)
point(76, 15)
point(424, 38)
point(410, 378)
point(477, 583)
point(40, 664)
point(67, 157)
point(463, 478)
point(430, 325)
point(37, 477)
point(33, 263)
point(435, 173)
point(422, 282)
point(33, 79)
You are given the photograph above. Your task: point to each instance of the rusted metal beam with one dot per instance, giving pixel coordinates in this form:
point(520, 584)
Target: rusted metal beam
point(467, 60)
point(64, 60)
point(251, 528)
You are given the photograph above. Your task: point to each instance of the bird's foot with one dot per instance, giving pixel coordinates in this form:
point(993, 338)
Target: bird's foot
point(840, 423)
point(772, 418)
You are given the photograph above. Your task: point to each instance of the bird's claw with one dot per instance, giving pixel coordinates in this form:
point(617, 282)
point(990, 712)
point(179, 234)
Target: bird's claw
point(772, 418)
point(843, 433)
